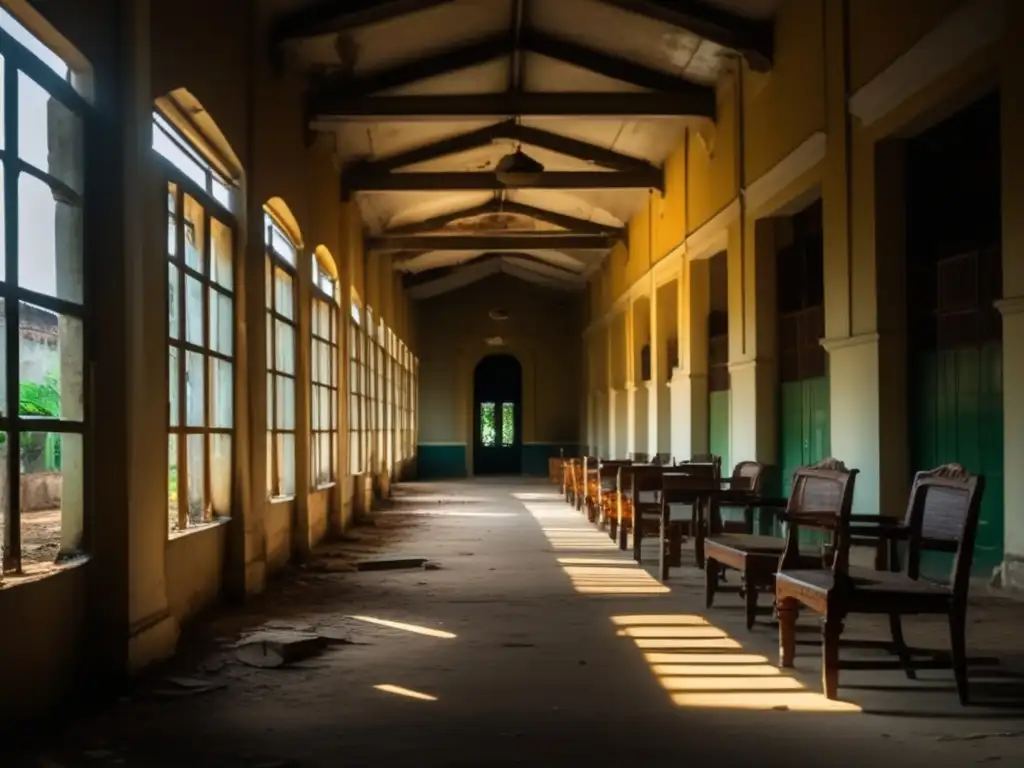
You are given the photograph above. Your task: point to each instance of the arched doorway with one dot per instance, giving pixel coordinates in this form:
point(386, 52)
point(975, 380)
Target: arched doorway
point(497, 416)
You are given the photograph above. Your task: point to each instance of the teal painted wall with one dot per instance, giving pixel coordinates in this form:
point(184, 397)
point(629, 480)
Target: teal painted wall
point(957, 416)
point(718, 427)
point(435, 462)
point(804, 431)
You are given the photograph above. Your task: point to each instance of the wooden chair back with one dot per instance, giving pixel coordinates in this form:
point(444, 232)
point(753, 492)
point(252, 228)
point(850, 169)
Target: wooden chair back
point(645, 479)
point(748, 475)
point(679, 483)
point(639, 458)
point(703, 458)
point(821, 498)
point(942, 515)
point(662, 459)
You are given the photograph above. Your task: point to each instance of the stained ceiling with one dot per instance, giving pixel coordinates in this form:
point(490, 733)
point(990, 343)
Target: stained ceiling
point(424, 99)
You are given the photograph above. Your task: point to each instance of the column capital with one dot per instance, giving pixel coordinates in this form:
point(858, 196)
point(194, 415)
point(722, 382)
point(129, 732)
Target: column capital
point(842, 342)
point(1012, 305)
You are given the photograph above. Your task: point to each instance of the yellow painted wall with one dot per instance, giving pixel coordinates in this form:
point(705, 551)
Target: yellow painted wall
point(542, 331)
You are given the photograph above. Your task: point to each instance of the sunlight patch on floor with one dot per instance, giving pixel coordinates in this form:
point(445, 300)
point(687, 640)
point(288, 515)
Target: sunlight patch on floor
point(407, 692)
point(701, 666)
point(442, 512)
point(591, 575)
point(415, 628)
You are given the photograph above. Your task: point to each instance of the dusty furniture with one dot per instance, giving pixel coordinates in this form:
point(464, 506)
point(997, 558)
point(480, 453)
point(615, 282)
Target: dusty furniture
point(607, 491)
point(756, 558)
point(590, 485)
point(942, 515)
point(685, 484)
point(569, 470)
point(642, 514)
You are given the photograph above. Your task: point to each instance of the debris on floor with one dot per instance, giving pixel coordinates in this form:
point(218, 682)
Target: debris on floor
point(390, 563)
point(187, 686)
point(271, 649)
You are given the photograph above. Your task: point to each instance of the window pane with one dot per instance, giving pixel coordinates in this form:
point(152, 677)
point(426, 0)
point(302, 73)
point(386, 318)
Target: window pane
point(325, 407)
point(194, 398)
point(269, 281)
point(172, 219)
point(327, 470)
point(220, 474)
point(283, 293)
point(193, 311)
point(488, 434)
point(49, 241)
point(280, 243)
point(52, 494)
point(51, 364)
point(221, 325)
point(286, 464)
point(49, 134)
point(3, 366)
point(172, 482)
point(325, 362)
point(173, 301)
point(271, 448)
point(222, 255)
point(194, 234)
point(221, 394)
point(325, 319)
point(3, 220)
point(508, 423)
point(196, 457)
point(285, 350)
point(173, 152)
point(285, 405)
point(173, 376)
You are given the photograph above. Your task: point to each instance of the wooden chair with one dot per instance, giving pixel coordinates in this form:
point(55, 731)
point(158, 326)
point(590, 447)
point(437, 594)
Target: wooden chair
point(607, 490)
point(684, 484)
point(638, 458)
point(942, 514)
point(584, 467)
point(642, 515)
point(569, 479)
point(735, 545)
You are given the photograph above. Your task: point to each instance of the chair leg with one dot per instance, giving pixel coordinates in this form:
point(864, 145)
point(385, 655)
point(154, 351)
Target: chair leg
point(788, 610)
point(710, 583)
point(613, 527)
point(958, 643)
point(896, 629)
point(623, 535)
point(831, 631)
point(638, 539)
point(750, 597)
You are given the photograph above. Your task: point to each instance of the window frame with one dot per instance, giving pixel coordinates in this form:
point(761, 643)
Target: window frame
point(320, 296)
point(356, 387)
point(274, 260)
point(18, 59)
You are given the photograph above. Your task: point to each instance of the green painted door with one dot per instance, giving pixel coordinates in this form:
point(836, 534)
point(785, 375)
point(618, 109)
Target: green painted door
point(804, 435)
point(718, 426)
point(958, 417)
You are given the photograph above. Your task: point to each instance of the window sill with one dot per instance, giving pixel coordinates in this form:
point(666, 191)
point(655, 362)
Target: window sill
point(324, 486)
point(37, 572)
point(281, 499)
point(199, 527)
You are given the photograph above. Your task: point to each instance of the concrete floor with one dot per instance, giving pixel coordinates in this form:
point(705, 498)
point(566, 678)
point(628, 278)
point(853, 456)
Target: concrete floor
point(545, 666)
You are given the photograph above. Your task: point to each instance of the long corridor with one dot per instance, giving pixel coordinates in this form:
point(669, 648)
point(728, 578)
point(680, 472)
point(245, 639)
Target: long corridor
point(528, 640)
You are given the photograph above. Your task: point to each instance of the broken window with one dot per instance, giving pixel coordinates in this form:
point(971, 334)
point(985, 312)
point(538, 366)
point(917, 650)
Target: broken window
point(324, 372)
point(43, 410)
point(488, 430)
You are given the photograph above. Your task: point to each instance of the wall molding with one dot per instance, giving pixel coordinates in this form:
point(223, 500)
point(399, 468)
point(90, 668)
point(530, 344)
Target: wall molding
point(1013, 305)
point(712, 237)
point(794, 165)
point(956, 39)
point(846, 342)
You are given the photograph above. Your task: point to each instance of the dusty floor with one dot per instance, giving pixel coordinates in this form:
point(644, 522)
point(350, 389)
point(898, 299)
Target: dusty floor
point(539, 643)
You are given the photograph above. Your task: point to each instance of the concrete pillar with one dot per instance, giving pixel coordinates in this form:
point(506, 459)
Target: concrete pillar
point(865, 329)
point(640, 336)
point(690, 384)
point(752, 341)
point(654, 395)
point(667, 323)
point(301, 545)
point(618, 371)
point(130, 621)
point(1012, 305)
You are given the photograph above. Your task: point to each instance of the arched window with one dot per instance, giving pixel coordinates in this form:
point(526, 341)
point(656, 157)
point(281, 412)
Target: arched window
point(324, 368)
point(282, 243)
point(201, 315)
point(356, 387)
point(43, 408)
